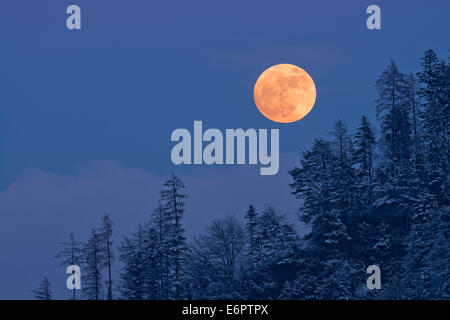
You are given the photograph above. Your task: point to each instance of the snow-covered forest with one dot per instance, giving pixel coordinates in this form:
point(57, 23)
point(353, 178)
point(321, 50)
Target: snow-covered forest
point(379, 195)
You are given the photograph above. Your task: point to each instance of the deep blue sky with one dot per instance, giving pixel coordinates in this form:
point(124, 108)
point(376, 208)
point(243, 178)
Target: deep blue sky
point(90, 112)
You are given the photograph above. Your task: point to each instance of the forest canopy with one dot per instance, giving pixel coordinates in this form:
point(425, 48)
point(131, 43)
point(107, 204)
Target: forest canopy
point(379, 195)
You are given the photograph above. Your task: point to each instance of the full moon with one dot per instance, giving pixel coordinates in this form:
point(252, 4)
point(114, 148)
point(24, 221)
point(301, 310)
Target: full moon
point(284, 93)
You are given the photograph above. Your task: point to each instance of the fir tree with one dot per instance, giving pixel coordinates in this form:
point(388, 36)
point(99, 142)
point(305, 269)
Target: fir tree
point(312, 181)
point(426, 264)
point(161, 222)
point(251, 224)
point(364, 157)
point(392, 111)
point(395, 195)
point(434, 79)
point(173, 205)
point(105, 233)
point(44, 292)
point(94, 262)
point(416, 114)
point(276, 257)
point(139, 276)
point(70, 255)
point(343, 180)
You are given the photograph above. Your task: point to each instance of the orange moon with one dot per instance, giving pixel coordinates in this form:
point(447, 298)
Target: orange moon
point(284, 93)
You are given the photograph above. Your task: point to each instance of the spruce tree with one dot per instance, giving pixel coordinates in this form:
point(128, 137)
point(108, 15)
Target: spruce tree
point(251, 218)
point(395, 192)
point(139, 275)
point(343, 178)
point(312, 181)
point(70, 255)
point(105, 233)
point(94, 262)
point(364, 158)
point(162, 224)
point(276, 258)
point(44, 292)
point(434, 92)
point(396, 167)
point(173, 205)
point(416, 113)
